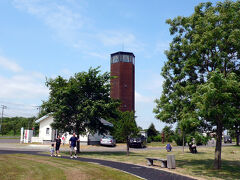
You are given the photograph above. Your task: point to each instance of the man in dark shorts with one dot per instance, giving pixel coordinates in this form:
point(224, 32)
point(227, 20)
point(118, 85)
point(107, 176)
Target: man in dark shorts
point(73, 145)
point(58, 143)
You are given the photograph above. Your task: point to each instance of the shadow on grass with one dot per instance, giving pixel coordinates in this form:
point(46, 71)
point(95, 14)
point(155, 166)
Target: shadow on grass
point(106, 153)
point(229, 170)
point(199, 152)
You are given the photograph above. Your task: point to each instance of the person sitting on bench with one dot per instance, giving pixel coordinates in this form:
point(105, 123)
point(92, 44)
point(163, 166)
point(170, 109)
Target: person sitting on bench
point(192, 146)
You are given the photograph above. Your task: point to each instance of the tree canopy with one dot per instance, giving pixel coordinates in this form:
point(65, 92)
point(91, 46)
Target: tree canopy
point(125, 126)
point(78, 103)
point(203, 43)
point(151, 131)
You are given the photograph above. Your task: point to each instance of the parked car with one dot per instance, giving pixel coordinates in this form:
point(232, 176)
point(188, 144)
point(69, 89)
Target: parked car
point(108, 141)
point(227, 139)
point(140, 141)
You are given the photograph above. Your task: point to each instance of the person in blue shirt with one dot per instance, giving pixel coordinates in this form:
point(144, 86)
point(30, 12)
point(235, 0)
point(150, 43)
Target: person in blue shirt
point(169, 147)
point(73, 145)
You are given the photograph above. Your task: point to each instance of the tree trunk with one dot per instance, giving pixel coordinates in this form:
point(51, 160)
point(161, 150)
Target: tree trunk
point(127, 146)
point(218, 149)
point(78, 144)
point(237, 136)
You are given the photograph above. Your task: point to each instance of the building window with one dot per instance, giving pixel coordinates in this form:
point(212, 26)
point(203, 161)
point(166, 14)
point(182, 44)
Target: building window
point(47, 130)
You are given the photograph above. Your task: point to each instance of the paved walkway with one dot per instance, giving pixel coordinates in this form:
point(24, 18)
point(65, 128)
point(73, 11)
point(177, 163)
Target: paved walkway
point(140, 171)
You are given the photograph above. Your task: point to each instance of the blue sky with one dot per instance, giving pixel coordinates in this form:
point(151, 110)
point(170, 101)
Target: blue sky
point(46, 38)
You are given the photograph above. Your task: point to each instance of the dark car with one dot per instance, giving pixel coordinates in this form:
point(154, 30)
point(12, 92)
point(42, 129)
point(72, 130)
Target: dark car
point(139, 141)
point(227, 139)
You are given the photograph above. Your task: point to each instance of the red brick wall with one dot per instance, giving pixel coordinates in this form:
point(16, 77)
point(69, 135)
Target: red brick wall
point(123, 86)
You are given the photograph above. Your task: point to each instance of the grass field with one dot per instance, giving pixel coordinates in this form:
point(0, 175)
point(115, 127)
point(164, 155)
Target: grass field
point(21, 167)
point(9, 137)
point(198, 165)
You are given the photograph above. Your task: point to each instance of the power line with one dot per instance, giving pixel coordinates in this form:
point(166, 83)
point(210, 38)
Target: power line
point(3, 107)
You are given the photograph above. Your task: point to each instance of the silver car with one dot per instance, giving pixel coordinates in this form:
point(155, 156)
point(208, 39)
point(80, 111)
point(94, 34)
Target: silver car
point(108, 141)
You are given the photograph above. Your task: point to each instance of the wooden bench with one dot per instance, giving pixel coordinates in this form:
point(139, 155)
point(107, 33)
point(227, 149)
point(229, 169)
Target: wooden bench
point(163, 161)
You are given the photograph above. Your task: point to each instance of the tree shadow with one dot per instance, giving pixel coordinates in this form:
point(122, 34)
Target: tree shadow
point(229, 170)
point(109, 153)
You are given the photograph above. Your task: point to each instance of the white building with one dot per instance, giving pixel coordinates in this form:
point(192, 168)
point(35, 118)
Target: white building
point(48, 134)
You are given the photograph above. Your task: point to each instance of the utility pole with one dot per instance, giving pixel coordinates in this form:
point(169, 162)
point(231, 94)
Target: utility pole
point(3, 107)
point(39, 108)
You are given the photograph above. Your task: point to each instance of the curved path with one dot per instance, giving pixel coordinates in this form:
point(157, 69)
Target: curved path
point(140, 171)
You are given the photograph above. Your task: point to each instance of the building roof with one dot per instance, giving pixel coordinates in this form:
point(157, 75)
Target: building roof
point(106, 123)
point(122, 52)
point(43, 118)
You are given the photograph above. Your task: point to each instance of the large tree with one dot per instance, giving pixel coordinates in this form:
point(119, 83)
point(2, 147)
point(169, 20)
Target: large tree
point(151, 131)
point(203, 42)
point(214, 101)
point(78, 103)
point(125, 126)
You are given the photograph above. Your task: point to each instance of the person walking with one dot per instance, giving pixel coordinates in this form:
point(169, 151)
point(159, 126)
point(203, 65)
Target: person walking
point(73, 143)
point(52, 149)
point(58, 143)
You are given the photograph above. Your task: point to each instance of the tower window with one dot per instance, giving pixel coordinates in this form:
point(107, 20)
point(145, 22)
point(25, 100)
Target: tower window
point(126, 58)
point(115, 59)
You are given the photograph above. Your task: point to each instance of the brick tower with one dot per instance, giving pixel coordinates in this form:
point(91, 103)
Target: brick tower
point(123, 85)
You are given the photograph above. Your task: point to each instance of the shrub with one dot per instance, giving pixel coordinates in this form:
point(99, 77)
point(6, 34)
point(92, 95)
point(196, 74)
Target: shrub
point(178, 139)
point(157, 138)
point(149, 140)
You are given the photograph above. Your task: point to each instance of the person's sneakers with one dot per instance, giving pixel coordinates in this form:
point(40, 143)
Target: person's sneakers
point(75, 156)
point(71, 157)
point(59, 155)
point(51, 155)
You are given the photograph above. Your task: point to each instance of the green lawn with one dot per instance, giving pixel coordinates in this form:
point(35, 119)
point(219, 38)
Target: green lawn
point(159, 144)
point(197, 165)
point(21, 167)
point(9, 137)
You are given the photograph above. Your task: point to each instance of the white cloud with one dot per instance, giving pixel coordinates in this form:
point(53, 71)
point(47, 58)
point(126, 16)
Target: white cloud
point(69, 23)
point(103, 56)
point(62, 20)
point(162, 46)
point(9, 65)
point(154, 84)
point(139, 98)
point(66, 73)
point(122, 39)
point(21, 87)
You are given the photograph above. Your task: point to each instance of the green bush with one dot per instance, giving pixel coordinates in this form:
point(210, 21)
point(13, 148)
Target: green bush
point(199, 138)
point(149, 140)
point(157, 138)
point(178, 139)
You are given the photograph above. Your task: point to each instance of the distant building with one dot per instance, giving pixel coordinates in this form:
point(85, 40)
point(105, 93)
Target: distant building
point(123, 85)
point(48, 134)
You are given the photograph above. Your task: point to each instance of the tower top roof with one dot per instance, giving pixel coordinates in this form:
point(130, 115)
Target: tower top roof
point(122, 53)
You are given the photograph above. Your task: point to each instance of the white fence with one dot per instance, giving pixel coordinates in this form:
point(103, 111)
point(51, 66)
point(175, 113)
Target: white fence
point(37, 139)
